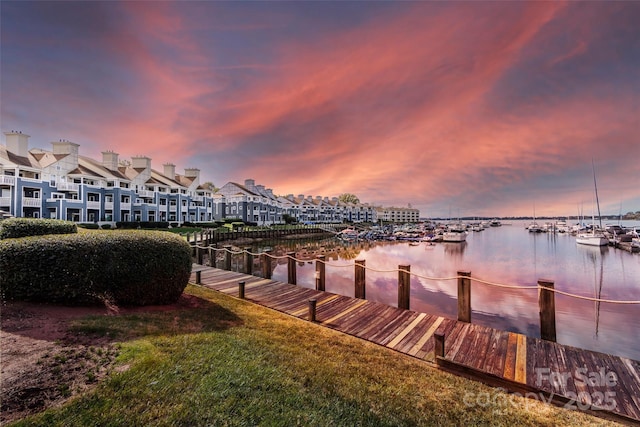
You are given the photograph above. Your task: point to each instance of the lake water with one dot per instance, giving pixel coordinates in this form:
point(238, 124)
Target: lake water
point(507, 255)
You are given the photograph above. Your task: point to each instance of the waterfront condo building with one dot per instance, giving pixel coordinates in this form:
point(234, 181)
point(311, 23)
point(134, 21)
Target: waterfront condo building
point(60, 183)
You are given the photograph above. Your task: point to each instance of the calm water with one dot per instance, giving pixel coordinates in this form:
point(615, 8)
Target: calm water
point(507, 255)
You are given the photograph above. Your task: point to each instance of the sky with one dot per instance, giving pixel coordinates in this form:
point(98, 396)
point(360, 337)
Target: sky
point(455, 108)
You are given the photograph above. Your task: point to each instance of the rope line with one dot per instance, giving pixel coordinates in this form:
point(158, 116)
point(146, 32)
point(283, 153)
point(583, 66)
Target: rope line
point(429, 278)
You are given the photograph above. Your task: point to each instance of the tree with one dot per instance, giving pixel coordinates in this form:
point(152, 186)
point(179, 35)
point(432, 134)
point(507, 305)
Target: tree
point(349, 198)
point(210, 186)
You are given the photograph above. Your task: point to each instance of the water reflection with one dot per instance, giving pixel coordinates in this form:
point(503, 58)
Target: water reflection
point(507, 255)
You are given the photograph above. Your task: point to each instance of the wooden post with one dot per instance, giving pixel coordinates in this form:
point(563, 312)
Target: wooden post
point(198, 277)
point(248, 261)
point(212, 257)
point(227, 257)
point(291, 264)
point(360, 278)
point(266, 265)
point(464, 296)
point(312, 309)
point(241, 290)
point(404, 286)
point(438, 347)
point(199, 255)
point(546, 301)
point(320, 272)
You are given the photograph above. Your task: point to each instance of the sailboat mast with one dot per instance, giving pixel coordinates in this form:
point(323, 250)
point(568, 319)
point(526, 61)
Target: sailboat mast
point(596, 188)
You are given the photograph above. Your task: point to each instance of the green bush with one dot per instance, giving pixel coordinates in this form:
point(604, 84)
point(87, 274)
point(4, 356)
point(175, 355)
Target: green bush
point(125, 267)
point(89, 226)
point(132, 225)
point(22, 227)
point(106, 226)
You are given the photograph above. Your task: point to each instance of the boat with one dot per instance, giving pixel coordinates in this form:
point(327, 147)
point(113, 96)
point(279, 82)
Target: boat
point(592, 238)
point(561, 226)
point(534, 228)
point(495, 223)
point(454, 236)
point(595, 236)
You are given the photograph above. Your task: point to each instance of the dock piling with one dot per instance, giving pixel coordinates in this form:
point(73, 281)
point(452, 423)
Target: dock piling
point(320, 273)
point(312, 309)
point(360, 278)
point(546, 301)
point(291, 267)
point(464, 296)
point(404, 286)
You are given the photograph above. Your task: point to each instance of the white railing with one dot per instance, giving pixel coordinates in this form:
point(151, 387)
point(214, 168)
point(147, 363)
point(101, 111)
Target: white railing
point(25, 179)
point(7, 180)
point(93, 205)
point(125, 206)
point(5, 201)
point(108, 205)
point(197, 198)
point(31, 202)
point(67, 186)
point(145, 193)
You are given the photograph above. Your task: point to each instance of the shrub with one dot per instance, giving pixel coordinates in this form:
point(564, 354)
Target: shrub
point(23, 227)
point(126, 267)
point(89, 226)
point(132, 225)
point(106, 226)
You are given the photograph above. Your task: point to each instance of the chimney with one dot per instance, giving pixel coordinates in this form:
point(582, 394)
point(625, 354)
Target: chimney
point(170, 170)
point(326, 199)
point(192, 173)
point(17, 143)
point(65, 147)
point(310, 198)
point(250, 184)
point(141, 162)
point(110, 160)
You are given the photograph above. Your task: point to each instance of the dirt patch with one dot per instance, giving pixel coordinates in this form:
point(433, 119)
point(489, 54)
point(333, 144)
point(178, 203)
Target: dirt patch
point(44, 363)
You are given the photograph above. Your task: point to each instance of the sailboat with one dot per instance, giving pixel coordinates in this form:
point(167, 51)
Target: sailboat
point(593, 237)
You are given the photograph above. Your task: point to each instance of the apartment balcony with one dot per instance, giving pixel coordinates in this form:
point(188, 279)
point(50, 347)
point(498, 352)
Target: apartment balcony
point(93, 205)
point(5, 201)
point(108, 205)
point(7, 180)
point(67, 186)
point(197, 198)
point(125, 206)
point(145, 193)
point(31, 202)
point(173, 208)
point(34, 180)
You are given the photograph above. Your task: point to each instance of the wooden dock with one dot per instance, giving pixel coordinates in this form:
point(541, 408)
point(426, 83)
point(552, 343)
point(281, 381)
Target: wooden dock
point(604, 385)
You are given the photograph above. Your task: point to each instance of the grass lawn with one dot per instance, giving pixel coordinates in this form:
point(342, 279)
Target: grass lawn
point(228, 362)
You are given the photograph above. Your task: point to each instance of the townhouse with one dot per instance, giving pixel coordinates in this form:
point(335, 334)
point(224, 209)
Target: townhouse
point(60, 183)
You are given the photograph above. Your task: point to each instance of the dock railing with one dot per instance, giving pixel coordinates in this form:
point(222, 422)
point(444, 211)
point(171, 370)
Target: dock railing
point(544, 287)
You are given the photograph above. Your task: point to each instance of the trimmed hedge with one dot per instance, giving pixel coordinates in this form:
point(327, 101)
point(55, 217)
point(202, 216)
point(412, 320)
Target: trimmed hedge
point(12, 228)
point(89, 226)
point(141, 224)
point(125, 267)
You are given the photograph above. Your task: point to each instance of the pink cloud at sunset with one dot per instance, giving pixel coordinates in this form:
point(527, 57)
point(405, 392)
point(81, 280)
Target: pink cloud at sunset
point(472, 108)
